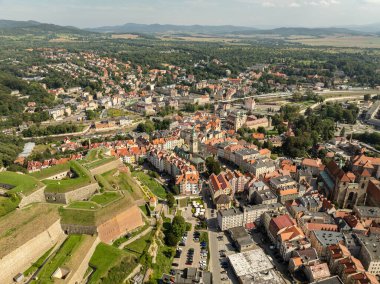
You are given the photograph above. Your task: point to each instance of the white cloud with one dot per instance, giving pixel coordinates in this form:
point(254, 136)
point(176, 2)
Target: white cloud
point(295, 3)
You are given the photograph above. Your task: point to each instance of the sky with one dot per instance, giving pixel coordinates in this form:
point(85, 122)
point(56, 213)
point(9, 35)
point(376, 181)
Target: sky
point(252, 13)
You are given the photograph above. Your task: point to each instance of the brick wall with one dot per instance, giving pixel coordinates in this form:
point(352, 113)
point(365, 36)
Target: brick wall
point(121, 224)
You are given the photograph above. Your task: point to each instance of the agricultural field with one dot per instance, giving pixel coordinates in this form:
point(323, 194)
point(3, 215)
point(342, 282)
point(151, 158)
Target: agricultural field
point(341, 41)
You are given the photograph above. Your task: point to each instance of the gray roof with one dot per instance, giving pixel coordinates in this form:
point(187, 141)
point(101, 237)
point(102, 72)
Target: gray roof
point(230, 212)
point(372, 244)
point(328, 238)
point(368, 212)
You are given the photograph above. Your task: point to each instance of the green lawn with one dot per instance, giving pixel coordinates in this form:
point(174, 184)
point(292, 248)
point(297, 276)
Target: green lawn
point(182, 202)
point(105, 198)
point(8, 204)
point(37, 264)
point(24, 184)
point(45, 173)
point(61, 257)
point(137, 231)
point(92, 155)
point(113, 112)
point(151, 183)
point(74, 216)
point(83, 178)
point(103, 182)
point(123, 182)
point(165, 256)
point(144, 208)
point(103, 259)
point(139, 245)
point(84, 205)
point(99, 163)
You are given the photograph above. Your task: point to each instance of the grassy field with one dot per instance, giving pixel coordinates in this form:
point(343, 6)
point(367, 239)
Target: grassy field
point(20, 225)
point(123, 182)
point(8, 204)
point(144, 208)
point(103, 182)
point(140, 244)
point(94, 217)
point(24, 184)
point(83, 178)
point(165, 256)
point(104, 258)
point(105, 198)
point(45, 173)
point(98, 163)
point(84, 205)
point(341, 41)
point(137, 231)
point(182, 202)
point(114, 112)
point(37, 264)
point(151, 183)
point(60, 258)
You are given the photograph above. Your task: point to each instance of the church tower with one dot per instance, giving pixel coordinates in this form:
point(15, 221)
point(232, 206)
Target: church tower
point(194, 143)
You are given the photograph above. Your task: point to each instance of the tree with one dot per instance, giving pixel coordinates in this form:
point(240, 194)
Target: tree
point(367, 97)
point(213, 166)
point(170, 200)
point(261, 129)
point(178, 226)
point(343, 132)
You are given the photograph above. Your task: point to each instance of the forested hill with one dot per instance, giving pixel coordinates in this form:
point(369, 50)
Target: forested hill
point(8, 27)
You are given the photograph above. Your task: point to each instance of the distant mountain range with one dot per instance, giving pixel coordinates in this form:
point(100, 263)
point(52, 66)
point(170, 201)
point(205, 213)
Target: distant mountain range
point(234, 30)
point(33, 27)
point(37, 28)
point(157, 28)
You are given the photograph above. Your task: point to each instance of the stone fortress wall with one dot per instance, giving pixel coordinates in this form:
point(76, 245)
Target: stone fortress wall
point(82, 193)
point(37, 196)
point(80, 272)
point(106, 167)
point(23, 257)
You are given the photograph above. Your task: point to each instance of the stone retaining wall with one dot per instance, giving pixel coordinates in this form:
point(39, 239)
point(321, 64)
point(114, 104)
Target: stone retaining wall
point(23, 257)
point(79, 273)
point(79, 229)
point(82, 193)
point(106, 167)
point(37, 196)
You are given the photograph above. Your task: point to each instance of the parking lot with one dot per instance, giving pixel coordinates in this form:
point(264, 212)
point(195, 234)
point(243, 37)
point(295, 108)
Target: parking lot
point(192, 254)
